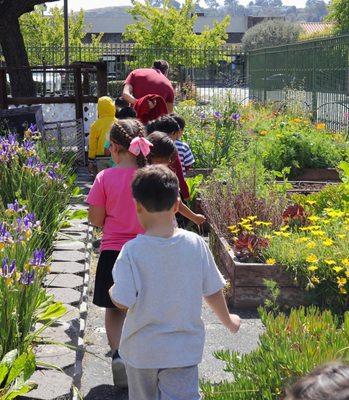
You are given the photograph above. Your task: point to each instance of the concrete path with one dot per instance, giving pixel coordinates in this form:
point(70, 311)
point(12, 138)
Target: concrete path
point(97, 382)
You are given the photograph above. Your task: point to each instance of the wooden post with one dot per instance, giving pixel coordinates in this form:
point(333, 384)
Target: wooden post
point(79, 105)
point(3, 89)
point(102, 79)
point(86, 83)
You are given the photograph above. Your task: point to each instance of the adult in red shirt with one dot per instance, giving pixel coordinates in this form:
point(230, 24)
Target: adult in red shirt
point(144, 81)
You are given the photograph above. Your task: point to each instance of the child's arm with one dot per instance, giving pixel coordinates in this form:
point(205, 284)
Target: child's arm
point(218, 305)
point(118, 305)
point(96, 215)
point(188, 213)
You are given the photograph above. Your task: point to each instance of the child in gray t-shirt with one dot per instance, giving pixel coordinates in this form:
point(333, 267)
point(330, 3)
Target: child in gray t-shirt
point(160, 278)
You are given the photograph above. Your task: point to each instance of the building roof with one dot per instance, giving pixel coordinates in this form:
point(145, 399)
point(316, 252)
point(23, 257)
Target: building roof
point(115, 20)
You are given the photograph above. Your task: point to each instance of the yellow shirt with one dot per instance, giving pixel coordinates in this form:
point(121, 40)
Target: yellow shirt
point(101, 127)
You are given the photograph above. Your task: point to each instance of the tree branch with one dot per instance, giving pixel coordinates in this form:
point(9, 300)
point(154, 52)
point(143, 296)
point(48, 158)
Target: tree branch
point(19, 7)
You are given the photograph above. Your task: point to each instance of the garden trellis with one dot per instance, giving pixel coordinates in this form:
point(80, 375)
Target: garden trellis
point(312, 74)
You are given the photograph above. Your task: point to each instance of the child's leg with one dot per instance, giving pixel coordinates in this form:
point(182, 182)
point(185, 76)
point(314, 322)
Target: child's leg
point(142, 383)
point(179, 383)
point(114, 319)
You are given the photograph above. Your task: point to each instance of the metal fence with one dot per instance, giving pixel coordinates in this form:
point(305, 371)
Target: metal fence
point(67, 137)
point(197, 73)
point(312, 75)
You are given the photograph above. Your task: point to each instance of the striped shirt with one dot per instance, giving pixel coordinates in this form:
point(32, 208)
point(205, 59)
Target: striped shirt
point(185, 155)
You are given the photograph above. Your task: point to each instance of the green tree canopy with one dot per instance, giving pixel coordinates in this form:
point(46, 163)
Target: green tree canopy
point(339, 14)
point(166, 28)
point(270, 33)
point(40, 30)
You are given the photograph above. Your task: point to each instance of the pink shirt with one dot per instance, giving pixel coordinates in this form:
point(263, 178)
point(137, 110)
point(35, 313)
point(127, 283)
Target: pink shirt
point(112, 190)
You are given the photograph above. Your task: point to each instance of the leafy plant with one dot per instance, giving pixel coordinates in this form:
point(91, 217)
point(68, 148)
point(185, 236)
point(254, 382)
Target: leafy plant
point(193, 187)
point(290, 347)
point(15, 371)
point(166, 28)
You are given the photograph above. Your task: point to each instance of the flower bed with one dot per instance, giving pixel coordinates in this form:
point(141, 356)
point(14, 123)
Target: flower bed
point(34, 192)
point(247, 289)
point(227, 133)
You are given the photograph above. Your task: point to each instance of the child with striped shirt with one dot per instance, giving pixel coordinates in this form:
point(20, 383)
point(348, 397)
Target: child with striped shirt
point(184, 151)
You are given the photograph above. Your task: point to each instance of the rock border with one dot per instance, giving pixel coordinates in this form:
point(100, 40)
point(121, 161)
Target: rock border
point(71, 260)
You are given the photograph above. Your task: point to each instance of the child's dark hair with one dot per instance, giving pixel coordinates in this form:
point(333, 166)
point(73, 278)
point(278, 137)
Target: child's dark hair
point(126, 113)
point(180, 121)
point(120, 102)
point(156, 188)
point(163, 147)
point(162, 66)
point(165, 123)
point(330, 382)
point(122, 133)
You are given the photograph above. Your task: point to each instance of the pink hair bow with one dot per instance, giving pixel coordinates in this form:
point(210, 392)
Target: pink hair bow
point(140, 145)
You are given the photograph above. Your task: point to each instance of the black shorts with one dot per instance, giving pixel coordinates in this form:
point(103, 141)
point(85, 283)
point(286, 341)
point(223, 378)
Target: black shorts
point(104, 278)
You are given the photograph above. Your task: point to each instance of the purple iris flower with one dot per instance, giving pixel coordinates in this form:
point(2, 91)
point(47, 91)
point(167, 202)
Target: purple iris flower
point(38, 259)
point(235, 116)
point(7, 269)
point(27, 278)
point(5, 235)
point(202, 115)
point(12, 139)
point(52, 175)
point(217, 115)
point(32, 162)
point(28, 145)
point(15, 206)
point(32, 128)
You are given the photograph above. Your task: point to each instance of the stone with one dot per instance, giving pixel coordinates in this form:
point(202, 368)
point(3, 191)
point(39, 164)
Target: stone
point(69, 255)
point(75, 227)
point(59, 334)
point(55, 355)
point(64, 281)
point(64, 295)
point(69, 245)
point(52, 385)
point(72, 235)
point(66, 267)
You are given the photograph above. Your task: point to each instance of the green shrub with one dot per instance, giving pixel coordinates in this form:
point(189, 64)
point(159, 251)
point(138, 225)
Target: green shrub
point(290, 348)
point(298, 144)
point(115, 88)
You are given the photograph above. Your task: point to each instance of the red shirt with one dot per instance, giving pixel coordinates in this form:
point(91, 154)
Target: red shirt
point(176, 167)
point(146, 81)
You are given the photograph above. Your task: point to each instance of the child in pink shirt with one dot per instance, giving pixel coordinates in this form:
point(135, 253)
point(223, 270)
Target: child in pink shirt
point(112, 207)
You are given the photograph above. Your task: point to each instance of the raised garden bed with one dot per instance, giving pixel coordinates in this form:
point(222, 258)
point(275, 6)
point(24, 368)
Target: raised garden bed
point(199, 171)
point(247, 289)
point(317, 175)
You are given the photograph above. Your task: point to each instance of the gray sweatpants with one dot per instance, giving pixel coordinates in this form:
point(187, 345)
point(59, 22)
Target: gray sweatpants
point(163, 384)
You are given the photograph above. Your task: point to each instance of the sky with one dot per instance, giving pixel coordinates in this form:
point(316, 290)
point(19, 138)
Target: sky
point(88, 4)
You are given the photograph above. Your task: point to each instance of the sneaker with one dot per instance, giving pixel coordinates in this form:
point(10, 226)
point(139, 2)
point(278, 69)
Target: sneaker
point(119, 371)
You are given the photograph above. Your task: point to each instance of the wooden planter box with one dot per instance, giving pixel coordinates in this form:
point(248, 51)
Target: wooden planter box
point(199, 171)
point(317, 175)
point(247, 290)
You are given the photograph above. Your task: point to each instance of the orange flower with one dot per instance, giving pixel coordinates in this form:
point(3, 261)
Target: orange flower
point(320, 125)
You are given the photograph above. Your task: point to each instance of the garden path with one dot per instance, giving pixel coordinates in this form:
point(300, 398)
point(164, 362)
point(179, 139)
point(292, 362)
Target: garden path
point(97, 382)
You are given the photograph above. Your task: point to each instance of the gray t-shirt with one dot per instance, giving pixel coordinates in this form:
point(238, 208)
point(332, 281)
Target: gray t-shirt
point(162, 282)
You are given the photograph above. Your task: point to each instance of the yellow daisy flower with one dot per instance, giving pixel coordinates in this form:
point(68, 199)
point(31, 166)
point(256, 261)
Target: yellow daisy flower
point(328, 242)
point(312, 268)
point(312, 259)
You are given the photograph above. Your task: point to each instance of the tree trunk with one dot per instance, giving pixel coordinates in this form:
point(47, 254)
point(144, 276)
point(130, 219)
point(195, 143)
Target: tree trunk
point(12, 43)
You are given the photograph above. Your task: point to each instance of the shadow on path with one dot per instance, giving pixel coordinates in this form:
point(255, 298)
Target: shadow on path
point(106, 392)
